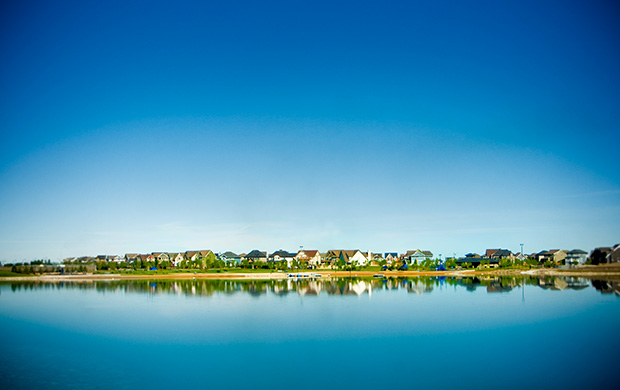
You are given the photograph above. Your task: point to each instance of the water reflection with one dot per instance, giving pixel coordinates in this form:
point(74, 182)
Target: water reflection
point(313, 287)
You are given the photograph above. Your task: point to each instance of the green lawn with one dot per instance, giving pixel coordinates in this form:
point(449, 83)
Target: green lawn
point(9, 273)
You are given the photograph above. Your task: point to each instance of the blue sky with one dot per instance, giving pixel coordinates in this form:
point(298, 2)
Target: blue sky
point(383, 126)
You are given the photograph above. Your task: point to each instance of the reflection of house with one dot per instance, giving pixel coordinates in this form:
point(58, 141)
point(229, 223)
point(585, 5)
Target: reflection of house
point(360, 287)
point(312, 257)
point(417, 256)
point(419, 287)
point(576, 256)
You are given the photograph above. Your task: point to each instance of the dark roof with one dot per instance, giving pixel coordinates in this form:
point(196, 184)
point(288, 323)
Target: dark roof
point(229, 254)
point(282, 253)
point(255, 254)
point(577, 252)
point(501, 253)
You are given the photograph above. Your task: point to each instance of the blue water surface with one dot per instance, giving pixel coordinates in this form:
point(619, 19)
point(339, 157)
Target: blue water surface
point(350, 333)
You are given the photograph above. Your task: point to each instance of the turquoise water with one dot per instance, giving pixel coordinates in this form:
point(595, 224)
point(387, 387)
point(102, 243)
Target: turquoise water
point(349, 333)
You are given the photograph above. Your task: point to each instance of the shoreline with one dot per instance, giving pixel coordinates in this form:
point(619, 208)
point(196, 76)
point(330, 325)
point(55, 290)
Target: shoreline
point(609, 272)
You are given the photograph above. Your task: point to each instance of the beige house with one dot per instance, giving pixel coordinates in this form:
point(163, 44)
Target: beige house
point(312, 257)
point(176, 258)
point(161, 256)
point(191, 255)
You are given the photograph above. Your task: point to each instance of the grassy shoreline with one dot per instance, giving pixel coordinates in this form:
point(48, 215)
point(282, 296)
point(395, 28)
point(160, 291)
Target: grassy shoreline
point(607, 271)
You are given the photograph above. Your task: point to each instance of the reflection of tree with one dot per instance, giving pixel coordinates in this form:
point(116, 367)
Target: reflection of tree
point(317, 286)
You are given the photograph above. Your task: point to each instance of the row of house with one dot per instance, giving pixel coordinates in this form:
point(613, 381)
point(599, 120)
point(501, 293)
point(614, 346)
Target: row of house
point(314, 258)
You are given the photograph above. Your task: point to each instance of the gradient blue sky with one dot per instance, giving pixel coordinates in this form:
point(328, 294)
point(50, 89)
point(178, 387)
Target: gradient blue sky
point(384, 126)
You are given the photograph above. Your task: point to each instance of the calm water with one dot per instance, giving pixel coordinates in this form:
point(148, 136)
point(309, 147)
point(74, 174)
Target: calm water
point(349, 333)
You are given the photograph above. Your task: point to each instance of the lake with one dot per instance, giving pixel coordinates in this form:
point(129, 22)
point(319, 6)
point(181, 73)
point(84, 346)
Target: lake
point(467, 333)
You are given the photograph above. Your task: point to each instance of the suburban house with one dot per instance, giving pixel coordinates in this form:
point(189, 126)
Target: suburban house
point(230, 256)
point(131, 257)
point(390, 257)
point(282, 255)
point(191, 255)
point(108, 258)
point(161, 256)
point(576, 256)
point(176, 258)
point(490, 252)
point(417, 256)
point(348, 256)
point(502, 254)
point(555, 255)
point(375, 258)
point(312, 257)
point(145, 258)
point(256, 255)
point(600, 255)
point(476, 261)
point(614, 256)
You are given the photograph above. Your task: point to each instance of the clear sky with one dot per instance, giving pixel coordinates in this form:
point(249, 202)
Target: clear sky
point(453, 126)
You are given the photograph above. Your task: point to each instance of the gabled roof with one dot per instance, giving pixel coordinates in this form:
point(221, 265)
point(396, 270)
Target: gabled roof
point(190, 254)
point(502, 253)
point(490, 252)
point(229, 254)
point(255, 254)
point(281, 253)
point(309, 252)
point(425, 253)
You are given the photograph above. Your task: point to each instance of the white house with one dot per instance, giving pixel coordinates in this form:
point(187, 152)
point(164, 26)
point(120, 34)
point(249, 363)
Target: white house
point(576, 256)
